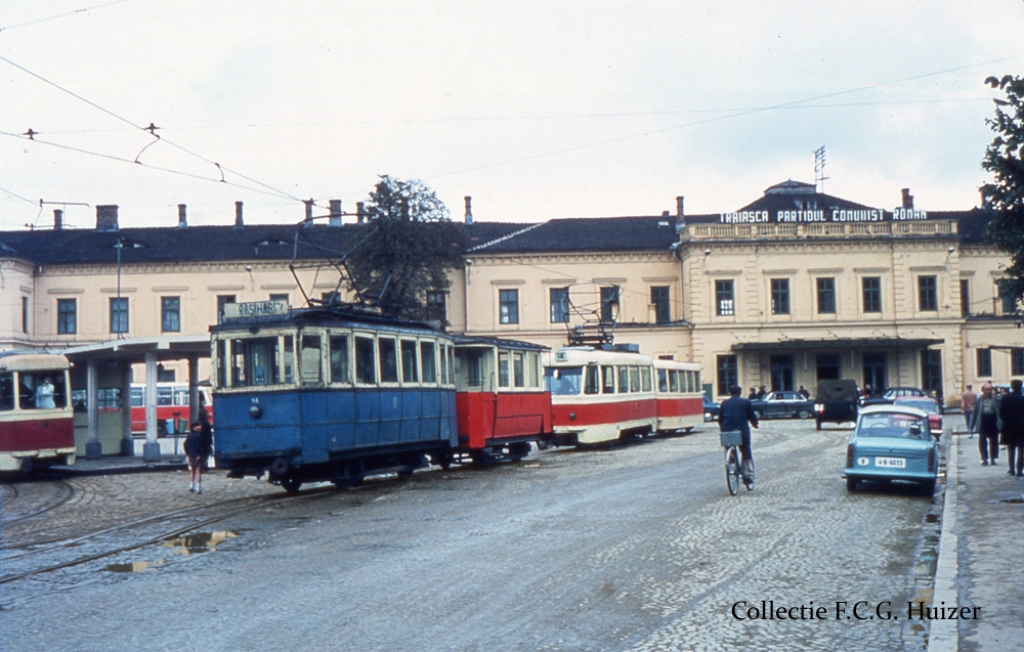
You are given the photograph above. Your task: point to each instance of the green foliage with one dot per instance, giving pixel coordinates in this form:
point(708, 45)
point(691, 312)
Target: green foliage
point(1004, 196)
point(413, 247)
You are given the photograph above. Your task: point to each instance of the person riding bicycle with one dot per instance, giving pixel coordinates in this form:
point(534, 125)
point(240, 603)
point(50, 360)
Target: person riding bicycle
point(738, 414)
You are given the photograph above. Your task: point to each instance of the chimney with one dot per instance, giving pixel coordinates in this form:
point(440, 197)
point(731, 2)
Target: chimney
point(679, 206)
point(308, 222)
point(182, 220)
point(360, 218)
point(908, 199)
point(239, 224)
point(58, 220)
point(335, 218)
point(469, 209)
point(106, 218)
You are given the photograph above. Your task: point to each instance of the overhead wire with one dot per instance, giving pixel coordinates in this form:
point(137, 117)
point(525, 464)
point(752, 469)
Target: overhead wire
point(63, 15)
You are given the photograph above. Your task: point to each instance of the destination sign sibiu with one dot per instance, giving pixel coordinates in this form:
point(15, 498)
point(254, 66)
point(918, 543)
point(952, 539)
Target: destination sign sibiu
point(825, 216)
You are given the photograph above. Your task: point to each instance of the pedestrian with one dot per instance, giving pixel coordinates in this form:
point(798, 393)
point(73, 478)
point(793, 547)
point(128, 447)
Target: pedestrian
point(735, 414)
point(986, 424)
point(1011, 413)
point(44, 395)
point(207, 429)
point(803, 392)
point(194, 452)
point(867, 391)
point(752, 396)
point(967, 400)
point(761, 392)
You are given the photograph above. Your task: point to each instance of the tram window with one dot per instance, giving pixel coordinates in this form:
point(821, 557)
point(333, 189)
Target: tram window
point(309, 361)
point(428, 362)
point(388, 360)
point(645, 378)
point(691, 386)
point(662, 380)
point(339, 359)
point(450, 353)
point(518, 376)
point(221, 366)
point(289, 359)
point(137, 396)
point(165, 396)
point(7, 391)
point(592, 384)
point(503, 375)
point(532, 365)
point(365, 370)
point(409, 371)
point(696, 381)
point(238, 377)
point(634, 379)
point(473, 360)
point(607, 380)
point(673, 381)
point(623, 379)
point(255, 363)
point(181, 395)
point(564, 381)
point(445, 377)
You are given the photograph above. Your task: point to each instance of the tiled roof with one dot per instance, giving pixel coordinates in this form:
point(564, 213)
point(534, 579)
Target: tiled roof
point(589, 234)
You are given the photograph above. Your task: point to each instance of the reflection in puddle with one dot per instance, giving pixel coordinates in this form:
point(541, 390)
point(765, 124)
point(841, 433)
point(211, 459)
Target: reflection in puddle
point(1012, 501)
point(133, 567)
point(191, 544)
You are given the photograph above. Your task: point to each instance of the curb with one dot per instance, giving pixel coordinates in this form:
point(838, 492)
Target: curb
point(944, 635)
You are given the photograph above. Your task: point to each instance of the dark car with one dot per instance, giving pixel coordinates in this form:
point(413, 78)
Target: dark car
point(891, 394)
point(783, 404)
point(835, 401)
point(711, 409)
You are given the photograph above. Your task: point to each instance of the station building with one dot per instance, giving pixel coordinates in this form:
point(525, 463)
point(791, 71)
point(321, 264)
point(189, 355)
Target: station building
point(795, 287)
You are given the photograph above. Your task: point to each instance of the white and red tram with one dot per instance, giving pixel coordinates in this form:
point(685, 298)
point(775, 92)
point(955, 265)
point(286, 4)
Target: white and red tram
point(599, 395)
point(36, 416)
point(679, 397)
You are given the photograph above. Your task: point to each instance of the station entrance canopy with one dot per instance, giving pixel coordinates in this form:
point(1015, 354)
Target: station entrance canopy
point(847, 343)
point(123, 353)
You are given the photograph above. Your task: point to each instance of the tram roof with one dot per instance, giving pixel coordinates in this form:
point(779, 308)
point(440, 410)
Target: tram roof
point(499, 342)
point(331, 315)
point(20, 360)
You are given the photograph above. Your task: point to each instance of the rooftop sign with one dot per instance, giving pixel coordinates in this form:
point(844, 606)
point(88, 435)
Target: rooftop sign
point(255, 309)
point(823, 216)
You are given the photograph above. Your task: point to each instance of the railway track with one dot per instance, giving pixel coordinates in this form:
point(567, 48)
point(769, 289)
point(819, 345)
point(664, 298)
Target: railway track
point(28, 500)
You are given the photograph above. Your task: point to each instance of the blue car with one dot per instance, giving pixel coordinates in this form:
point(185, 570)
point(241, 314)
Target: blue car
point(711, 409)
point(892, 442)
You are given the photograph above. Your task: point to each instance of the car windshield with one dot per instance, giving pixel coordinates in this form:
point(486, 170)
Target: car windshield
point(888, 424)
point(564, 380)
point(926, 405)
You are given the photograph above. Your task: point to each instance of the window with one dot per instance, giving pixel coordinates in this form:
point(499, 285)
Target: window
point(728, 373)
point(927, 293)
point(388, 360)
point(1006, 297)
point(280, 297)
point(592, 383)
point(965, 298)
point(339, 359)
point(254, 362)
point(67, 316)
point(223, 300)
point(872, 291)
point(518, 370)
point(437, 306)
point(610, 303)
point(118, 315)
point(607, 380)
point(827, 366)
point(24, 314)
point(170, 314)
point(329, 298)
point(508, 301)
point(662, 306)
point(559, 305)
point(503, 375)
point(931, 370)
point(780, 296)
point(309, 360)
point(365, 370)
point(1017, 362)
point(984, 362)
point(623, 379)
point(826, 296)
point(428, 362)
point(410, 372)
point(725, 304)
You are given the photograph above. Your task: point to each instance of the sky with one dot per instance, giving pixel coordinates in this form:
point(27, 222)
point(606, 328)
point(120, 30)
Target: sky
point(537, 110)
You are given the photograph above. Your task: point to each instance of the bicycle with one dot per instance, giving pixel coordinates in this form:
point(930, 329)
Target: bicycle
point(731, 441)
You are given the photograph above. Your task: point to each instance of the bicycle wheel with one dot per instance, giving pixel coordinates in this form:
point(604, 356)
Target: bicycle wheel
point(732, 470)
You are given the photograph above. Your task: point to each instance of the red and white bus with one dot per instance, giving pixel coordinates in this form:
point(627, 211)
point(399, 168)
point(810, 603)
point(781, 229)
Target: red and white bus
point(501, 403)
point(172, 407)
point(679, 396)
point(36, 416)
point(599, 395)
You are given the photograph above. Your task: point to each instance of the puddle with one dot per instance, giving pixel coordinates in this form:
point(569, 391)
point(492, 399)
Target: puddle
point(1012, 501)
point(192, 544)
point(133, 567)
point(932, 518)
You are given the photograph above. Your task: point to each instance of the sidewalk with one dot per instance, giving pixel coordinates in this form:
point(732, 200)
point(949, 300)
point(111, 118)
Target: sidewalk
point(171, 459)
point(981, 553)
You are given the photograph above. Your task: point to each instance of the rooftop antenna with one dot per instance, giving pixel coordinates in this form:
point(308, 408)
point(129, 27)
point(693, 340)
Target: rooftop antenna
point(819, 169)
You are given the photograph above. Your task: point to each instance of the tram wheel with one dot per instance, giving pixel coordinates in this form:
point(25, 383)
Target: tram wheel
point(291, 485)
point(279, 468)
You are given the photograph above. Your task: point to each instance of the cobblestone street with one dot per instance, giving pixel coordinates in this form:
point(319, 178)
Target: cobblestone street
point(638, 547)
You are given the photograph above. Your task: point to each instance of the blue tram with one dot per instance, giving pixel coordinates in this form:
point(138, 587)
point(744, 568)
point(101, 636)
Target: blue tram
point(330, 393)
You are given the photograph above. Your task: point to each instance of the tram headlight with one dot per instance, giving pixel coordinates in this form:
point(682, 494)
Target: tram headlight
point(572, 416)
point(255, 411)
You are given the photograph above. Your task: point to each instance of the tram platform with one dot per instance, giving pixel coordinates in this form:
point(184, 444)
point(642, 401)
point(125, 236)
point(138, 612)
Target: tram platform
point(172, 458)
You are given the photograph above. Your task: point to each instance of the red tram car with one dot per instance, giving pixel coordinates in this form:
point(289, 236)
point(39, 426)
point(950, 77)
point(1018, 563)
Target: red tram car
point(36, 417)
point(679, 397)
point(501, 403)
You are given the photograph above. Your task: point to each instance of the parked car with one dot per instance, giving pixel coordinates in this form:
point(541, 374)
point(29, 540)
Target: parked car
point(836, 401)
point(891, 394)
point(783, 404)
point(892, 442)
point(927, 404)
point(711, 409)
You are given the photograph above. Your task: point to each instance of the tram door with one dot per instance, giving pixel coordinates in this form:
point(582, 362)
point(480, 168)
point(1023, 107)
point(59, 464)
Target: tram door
point(782, 373)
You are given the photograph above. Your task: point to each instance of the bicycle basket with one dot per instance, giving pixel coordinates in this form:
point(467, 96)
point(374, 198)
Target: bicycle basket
point(731, 438)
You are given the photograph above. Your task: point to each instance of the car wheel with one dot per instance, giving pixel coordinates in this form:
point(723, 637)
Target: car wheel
point(804, 414)
point(851, 484)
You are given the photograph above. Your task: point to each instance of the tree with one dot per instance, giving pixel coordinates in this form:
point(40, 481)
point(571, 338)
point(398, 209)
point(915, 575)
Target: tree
point(413, 246)
point(1004, 196)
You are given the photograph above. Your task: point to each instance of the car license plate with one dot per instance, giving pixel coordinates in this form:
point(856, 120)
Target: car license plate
point(891, 462)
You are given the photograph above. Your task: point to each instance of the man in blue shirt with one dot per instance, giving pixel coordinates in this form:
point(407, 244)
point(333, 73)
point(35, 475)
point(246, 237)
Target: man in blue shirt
point(738, 414)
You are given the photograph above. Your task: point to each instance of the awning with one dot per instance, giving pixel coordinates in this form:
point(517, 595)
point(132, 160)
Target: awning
point(848, 343)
